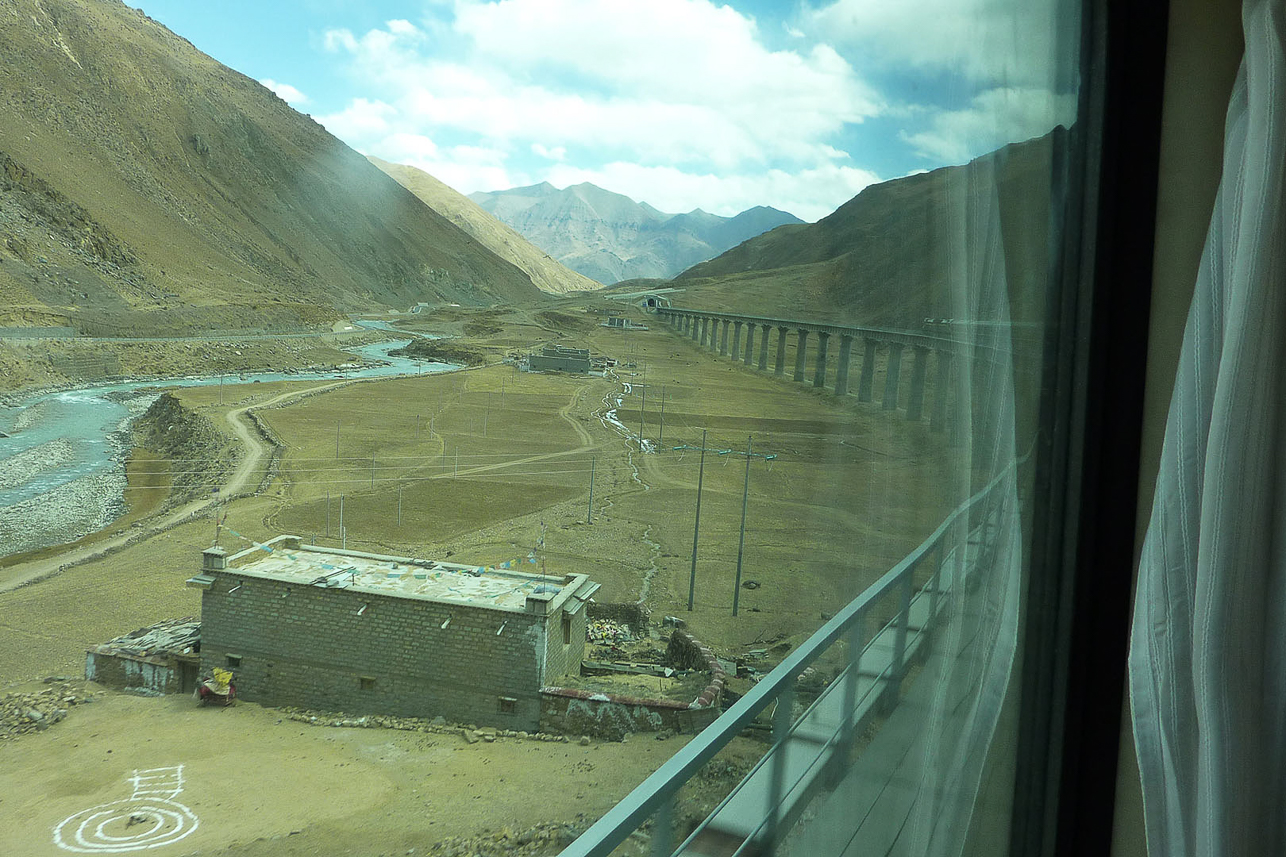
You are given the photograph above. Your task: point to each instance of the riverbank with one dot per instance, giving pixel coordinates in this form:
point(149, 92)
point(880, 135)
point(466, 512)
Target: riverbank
point(31, 367)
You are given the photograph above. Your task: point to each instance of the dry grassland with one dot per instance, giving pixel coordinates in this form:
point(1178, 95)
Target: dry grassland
point(852, 490)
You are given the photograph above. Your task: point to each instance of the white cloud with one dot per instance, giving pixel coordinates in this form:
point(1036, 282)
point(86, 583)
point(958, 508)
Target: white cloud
point(996, 42)
point(557, 153)
point(684, 88)
point(993, 118)
point(360, 120)
point(286, 92)
point(808, 194)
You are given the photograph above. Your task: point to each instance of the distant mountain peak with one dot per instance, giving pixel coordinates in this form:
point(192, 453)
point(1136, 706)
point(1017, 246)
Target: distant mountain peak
point(610, 237)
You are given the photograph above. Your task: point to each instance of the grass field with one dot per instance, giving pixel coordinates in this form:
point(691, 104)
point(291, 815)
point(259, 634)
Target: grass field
point(482, 463)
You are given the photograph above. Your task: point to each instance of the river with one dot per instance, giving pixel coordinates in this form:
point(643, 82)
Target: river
point(62, 471)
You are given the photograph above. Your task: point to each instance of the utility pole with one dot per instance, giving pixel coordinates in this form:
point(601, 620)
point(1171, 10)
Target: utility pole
point(642, 409)
point(372, 469)
point(399, 506)
point(660, 435)
point(589, 515)
point(343, 534)
point(745, 501)
point(327, 514)
point(696, 527)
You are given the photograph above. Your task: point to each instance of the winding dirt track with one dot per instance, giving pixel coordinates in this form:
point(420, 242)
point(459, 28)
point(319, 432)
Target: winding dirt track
point(19, 575)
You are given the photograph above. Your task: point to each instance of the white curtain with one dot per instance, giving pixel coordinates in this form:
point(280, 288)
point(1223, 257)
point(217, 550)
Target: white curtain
point(1208, 648)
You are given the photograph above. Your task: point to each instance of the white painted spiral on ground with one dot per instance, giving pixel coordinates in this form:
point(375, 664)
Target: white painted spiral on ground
point(132, 824)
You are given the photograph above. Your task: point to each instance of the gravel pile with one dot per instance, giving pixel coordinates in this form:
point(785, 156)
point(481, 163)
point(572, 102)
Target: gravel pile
point(471, 733)
point(543, 839)
point(35, 712)
point(20, 468)
point(63, 514)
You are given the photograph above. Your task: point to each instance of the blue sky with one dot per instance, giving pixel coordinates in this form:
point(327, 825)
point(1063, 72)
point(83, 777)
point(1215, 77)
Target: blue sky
point(680, 103)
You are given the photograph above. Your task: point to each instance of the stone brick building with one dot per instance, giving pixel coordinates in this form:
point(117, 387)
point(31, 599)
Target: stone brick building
point(363, 633)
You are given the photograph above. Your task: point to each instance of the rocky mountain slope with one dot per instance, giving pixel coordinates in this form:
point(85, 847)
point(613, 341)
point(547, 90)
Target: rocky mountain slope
point(145, 188)
point(609, 237)
point(547, 274)
point(883, 258)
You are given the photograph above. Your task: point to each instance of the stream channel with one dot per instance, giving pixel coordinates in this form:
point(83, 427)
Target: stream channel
point(62, 466)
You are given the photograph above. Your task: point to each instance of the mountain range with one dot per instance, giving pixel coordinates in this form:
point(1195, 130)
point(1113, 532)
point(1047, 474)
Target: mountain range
point(546, 274)
point(880, 259)
point(609, 237)
point(145, 188)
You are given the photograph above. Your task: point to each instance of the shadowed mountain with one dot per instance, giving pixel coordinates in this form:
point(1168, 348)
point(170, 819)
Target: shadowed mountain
point(610, 237)
point(880, 259)
point(548, 275)
point(146, 188)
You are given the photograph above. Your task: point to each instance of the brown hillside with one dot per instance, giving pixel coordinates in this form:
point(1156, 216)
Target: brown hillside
point(146, 188)
point(546, 273)
point(880, 258)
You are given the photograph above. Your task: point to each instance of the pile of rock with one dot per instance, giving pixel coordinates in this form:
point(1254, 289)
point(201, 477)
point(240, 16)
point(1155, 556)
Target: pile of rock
point(469, 732)
point(607, 632)
point(35, 712)
point(544, 839)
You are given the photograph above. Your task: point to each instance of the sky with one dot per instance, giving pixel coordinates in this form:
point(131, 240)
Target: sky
point(682, 104)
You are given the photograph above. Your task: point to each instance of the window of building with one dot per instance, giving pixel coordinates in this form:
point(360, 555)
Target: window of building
point(233, 660)
point(367, 682)
point(506, 705)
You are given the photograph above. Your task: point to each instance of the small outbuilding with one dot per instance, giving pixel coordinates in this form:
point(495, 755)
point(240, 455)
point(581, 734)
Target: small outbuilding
point(161, 658)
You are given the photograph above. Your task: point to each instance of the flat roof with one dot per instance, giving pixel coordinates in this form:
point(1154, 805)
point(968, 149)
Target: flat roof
point(403, 577)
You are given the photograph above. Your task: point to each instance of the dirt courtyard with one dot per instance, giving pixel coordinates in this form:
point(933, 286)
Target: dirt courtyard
point(482, 465)
point(258, 783)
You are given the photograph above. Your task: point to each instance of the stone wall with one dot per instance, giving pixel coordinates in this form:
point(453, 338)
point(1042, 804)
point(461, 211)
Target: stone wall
point(610, 716)
point(135, 672)
point(358, 652)
point(635, 616)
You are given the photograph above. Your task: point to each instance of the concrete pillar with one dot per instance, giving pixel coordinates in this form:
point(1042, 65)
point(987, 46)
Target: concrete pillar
point(705, 331)
point(723, 339)
point(938, 418)
point(763, 349)
point(780, 368)
point(750, 344)
point(867, 379)
point(801, 349)
point(819, 376)
point(891, 379)
point(696, 328)
point(841, 366)
point(736, 340)
point(915, 404)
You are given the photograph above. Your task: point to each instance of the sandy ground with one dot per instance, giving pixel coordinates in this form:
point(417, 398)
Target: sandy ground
point(261, 784)
point(252, 778)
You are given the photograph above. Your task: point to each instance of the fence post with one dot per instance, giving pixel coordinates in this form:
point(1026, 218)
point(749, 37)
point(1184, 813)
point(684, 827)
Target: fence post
point(854, 640)
point(663, 828)
point(782, 718)
point(898, 668)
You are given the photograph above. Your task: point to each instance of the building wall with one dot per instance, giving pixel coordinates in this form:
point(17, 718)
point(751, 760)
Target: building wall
point(150, 674)
point(559, 364)
point(307, 646)
point(564, 658)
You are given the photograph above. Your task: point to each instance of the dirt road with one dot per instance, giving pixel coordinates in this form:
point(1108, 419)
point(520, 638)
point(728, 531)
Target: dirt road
point(255, 450)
